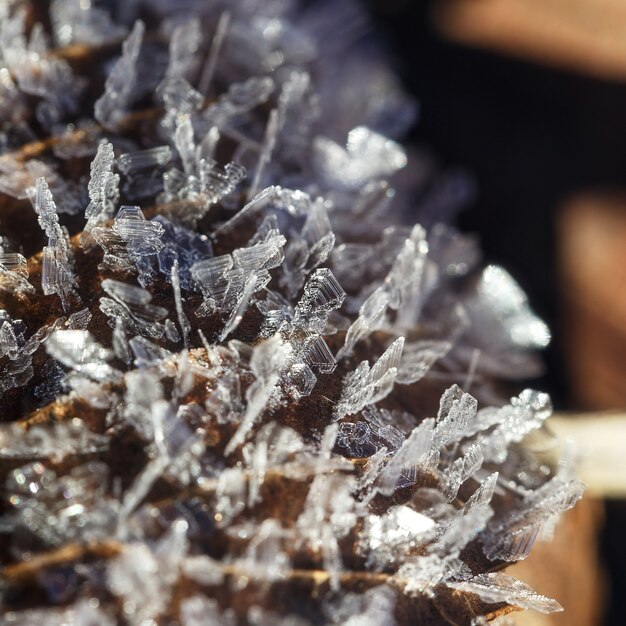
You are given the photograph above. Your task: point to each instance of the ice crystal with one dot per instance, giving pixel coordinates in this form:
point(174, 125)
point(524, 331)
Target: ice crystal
point(57, 275)
point(368, 385)
point(118, 92)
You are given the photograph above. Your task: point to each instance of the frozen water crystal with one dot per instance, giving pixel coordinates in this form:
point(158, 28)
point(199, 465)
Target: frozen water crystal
point(400, 471)
point(78, 350)
point(367, 156)
point(77, 22)
point(57, 272)
point(267, 363)
point(121, 81)
point(367, 385)
point(130, 162)
point(497, 587)
point(103, 187)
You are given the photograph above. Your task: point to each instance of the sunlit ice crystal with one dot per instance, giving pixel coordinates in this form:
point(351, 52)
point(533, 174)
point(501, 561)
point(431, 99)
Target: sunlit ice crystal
point(399, 528)
point(120, 83)
point(78, 350)
point(103, 187)
point(401, 469)
point(367, 155)
point(367, 385)
point(498, 587)
point(142, 576)
point(130, 162)
point(307, 251)
point(267, 364)
point(131, 306)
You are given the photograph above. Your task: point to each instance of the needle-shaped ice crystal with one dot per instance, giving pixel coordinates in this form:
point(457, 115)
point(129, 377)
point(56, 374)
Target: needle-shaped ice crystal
point(120, 83)
point(267, 363)
point(497, 587)
point(103, 187)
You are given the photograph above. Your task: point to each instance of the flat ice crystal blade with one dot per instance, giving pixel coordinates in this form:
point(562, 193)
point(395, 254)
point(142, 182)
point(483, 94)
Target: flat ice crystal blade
point(402, 464)
point(367, 385)
point(497, 587)
point(121, 81)
point(150, 158)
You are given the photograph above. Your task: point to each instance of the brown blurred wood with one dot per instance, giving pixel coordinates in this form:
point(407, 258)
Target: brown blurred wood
point(592, 267)
point(587, 36)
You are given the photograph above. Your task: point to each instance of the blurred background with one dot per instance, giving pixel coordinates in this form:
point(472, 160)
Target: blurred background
point(529, 97)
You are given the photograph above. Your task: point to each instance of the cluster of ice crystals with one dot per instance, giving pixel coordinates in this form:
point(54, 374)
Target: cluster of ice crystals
point(235, 437)
point(368, 385)
point(37, 72)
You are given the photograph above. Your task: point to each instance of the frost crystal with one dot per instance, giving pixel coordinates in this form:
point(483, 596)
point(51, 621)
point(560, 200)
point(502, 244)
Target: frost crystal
point(367, 385)
point(118, 91)
point(57, 272)
point(103, 188)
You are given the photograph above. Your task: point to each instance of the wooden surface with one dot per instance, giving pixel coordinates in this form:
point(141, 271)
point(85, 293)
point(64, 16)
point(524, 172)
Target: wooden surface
point(587, 36)
point(592, 268)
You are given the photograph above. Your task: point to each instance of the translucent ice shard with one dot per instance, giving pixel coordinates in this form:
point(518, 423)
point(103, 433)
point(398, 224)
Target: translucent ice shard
point(210, 64)
point(367, 385)
point(367, 156)
point(120, 84)
point(322, 295)
point(513, 422)
point(267, 148)
point(403, 290)
point(149, 158)
point(267, 363)
point(131, 306)
point(57, 271)
point(229, 281)
point(418, 357)
point(420, 575)
point(74, 21)
point(78, 350)
point(387, 535)
point(143, 576)
point(142, 239)
point(103, 187)
point(510, 305)
point(461, 469)
point(511, 536)
point(183, 246)
point(184, 49)
point(308, 249)
point(240, 98)
point(497, 587)
point(456, 411)
point(401, 469)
